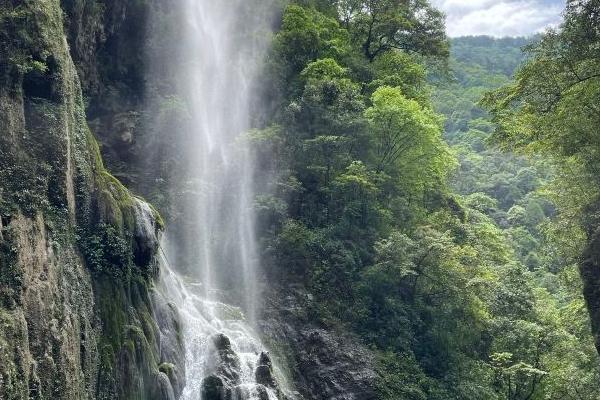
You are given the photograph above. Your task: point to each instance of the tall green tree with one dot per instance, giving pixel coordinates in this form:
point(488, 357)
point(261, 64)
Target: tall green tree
point(382, 25)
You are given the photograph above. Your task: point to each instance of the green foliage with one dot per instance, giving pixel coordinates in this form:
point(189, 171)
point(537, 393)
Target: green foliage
point(326, 68)
point(11, 276)
point(401, 377)
point(399, 69)
point(407, 138)
point(106, 251)
point(381, 26)
point(529, 337)
point(305, 36)
point(551, 107)
point(458, 295)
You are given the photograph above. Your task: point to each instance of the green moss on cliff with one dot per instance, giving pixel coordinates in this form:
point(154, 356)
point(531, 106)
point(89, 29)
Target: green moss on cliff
point(129, 343)
point(107, 218)
point(11, 275)
point(51, 172)
point(13, 366)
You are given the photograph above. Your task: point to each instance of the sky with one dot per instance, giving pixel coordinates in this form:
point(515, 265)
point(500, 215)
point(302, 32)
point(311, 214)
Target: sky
point(500, 17)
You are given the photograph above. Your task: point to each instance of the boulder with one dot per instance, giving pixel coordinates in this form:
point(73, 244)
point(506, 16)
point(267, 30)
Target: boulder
point(213, 388)
point(225, 361)
point(264, 371)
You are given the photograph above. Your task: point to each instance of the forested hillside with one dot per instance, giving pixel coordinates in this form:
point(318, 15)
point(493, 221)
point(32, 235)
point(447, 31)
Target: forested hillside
point(359, 154)
point(408, 227)
point(550, 110)
point(515, 192)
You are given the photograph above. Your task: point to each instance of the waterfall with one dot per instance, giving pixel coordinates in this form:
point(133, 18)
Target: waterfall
point(220, 48)
point(218, 342)
point(210, 258)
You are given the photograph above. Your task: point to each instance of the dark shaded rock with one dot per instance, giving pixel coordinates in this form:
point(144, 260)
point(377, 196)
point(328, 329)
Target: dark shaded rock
point(221, 342)
point(262, 393)
point(213, 388)
point(264, 371)
point(145, 235)
point(225, 361)
point(324, 364)
point(264, 359)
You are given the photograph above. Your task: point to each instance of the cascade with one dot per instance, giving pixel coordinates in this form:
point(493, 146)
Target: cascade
point(221, 44)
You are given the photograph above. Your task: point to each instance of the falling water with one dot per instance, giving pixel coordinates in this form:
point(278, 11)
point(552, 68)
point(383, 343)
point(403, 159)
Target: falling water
point(220, 47)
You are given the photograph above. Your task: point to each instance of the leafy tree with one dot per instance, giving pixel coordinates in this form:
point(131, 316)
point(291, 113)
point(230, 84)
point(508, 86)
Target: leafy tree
point(305, 36)
point(406, 135)
point(382, 25)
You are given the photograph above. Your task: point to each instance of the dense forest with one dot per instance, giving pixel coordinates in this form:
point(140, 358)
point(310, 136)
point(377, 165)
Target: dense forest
point(410, 228)
point(403, 216)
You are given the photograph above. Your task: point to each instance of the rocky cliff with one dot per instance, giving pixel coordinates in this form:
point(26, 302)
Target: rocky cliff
point(322, 362)
point(77, 250)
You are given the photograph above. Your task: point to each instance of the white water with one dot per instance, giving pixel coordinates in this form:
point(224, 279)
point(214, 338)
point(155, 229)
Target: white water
point(222, 41)
point(222, 44)
point(202, 319)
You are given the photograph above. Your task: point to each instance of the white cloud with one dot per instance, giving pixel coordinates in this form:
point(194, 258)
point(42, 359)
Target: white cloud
point(499, 18)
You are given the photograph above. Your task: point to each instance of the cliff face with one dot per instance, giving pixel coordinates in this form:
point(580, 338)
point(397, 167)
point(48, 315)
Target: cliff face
point(77, 250)
point(323, 363)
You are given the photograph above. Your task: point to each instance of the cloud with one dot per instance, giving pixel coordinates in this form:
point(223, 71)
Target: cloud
point(500, 18)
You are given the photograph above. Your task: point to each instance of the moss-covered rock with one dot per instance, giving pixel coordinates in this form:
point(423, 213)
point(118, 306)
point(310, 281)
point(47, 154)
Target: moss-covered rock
point(77, 249)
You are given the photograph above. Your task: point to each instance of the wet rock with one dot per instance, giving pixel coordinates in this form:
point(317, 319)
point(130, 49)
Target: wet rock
point(264, 371)
point(221, 342)
point(174, 376)
point(262, 393)
point(165, 390)
point(213, 388)
point(225, 361)
point(170, 340)
point(145, 243)
point(265, 359)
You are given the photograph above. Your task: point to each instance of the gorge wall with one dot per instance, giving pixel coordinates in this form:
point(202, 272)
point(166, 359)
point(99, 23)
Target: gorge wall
point(77, 263)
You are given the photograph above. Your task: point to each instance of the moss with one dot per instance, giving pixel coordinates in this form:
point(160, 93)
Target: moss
point(50, 165)
point(108, 219)
point(158, 218)
point(177, 325)
point(115, 203)
point(107, 251)
point(112, 305)
point(11, 274)
point(167, 369)
point(149, 327)
point(170, 370)
point(107, 380)
point(12, 374)
point(284, 354)
point(32, 162)
point(129, 339)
